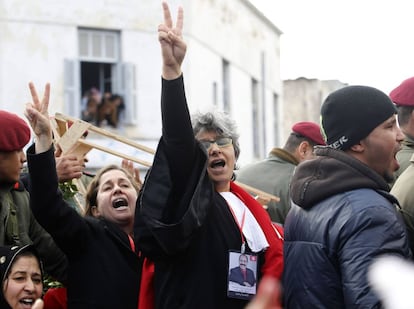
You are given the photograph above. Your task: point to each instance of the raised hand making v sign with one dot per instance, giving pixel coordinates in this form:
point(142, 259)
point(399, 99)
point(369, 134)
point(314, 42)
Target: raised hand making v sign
point(38, 116)
point(191, 218)
point(173, 48)
point(104, 236)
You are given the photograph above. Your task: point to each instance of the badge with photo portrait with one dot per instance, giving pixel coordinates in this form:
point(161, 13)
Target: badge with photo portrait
point(242, 275)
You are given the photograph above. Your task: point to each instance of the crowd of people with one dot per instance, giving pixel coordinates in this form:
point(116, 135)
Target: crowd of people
point(189, 236)
point(103, 109)
point(298, 147)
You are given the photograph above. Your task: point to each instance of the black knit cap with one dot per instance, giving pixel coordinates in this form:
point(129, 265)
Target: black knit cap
point(349, 114)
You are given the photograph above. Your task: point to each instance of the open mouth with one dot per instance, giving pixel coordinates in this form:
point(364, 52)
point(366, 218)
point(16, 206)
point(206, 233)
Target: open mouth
point(119, 202)
point(27, 302)
point(217, 163)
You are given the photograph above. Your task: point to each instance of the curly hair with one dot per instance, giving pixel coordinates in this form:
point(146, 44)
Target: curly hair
point(219, 122)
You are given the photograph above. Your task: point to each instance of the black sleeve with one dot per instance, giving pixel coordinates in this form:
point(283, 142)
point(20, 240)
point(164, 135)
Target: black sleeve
point(66, 226)
point(176, 194)
point(177, 131)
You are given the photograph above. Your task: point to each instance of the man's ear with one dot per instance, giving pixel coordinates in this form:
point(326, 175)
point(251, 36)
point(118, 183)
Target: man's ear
point(95, 211)
point(360, 147)
point(303, 148)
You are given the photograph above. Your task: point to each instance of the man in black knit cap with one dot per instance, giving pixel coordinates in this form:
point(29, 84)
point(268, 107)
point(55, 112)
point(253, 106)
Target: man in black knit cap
point(343, 215)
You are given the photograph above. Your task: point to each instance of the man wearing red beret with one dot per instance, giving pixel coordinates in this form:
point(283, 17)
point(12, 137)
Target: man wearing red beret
point(403, 187)
point(18, 225)
point(274, 173)
point(403, 98)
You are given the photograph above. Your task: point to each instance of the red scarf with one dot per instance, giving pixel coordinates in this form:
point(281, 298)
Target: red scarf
point(146, 298)
point(146, 291)
point(273, 265)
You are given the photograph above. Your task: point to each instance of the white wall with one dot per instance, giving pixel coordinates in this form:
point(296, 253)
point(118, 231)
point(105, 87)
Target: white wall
point(37, 36)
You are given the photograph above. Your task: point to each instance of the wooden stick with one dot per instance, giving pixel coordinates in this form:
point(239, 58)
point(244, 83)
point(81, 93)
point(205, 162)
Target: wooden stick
point(81, 187)
point(114, 136)
point(56, 133)
point(144, 148)
point(68, 142)
point(258, 192)
point(79, 204)
point(115, 153)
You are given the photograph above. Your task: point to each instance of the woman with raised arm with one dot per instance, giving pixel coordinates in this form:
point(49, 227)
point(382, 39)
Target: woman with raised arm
point(104, 270)
point(191, 218)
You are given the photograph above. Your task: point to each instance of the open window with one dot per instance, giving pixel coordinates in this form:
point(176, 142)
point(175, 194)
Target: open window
point(99, 73)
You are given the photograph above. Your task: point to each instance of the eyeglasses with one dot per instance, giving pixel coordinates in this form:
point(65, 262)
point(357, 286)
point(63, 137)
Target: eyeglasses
point(220, 142)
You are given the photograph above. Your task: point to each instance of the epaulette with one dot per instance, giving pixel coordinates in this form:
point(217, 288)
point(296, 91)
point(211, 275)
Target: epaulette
point(19, 186)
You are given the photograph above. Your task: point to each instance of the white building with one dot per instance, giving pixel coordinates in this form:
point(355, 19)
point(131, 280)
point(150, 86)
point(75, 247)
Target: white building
point(232, 62)
point(303, 98)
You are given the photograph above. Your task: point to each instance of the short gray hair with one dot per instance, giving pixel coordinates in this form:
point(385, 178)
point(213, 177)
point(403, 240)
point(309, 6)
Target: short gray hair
point(219, 122)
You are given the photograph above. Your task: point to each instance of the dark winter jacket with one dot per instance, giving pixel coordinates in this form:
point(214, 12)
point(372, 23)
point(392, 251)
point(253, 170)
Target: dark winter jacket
point(344, 217)
point(104, 272)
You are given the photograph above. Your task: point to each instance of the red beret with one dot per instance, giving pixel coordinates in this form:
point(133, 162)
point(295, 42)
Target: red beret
point(403, 95)
point(309, 130)
point(14, 132)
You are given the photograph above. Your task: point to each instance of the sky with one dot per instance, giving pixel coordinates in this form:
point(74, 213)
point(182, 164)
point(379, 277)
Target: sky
point(363, 42)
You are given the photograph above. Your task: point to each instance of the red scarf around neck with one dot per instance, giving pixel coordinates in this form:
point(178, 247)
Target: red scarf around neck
point(273, 265)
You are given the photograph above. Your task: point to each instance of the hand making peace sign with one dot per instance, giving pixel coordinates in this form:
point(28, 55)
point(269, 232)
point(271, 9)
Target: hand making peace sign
point(38, 116)
point(173, 47)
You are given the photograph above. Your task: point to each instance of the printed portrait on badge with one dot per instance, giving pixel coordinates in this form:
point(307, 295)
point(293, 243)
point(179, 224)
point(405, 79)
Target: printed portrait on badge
point(242, 275)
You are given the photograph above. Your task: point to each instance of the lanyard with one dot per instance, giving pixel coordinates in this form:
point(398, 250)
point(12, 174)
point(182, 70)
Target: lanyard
point(240, 226)
point(131, 242)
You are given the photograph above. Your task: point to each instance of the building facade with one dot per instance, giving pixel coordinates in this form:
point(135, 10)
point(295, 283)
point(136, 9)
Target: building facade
point(232, 62)
point(303, 98)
